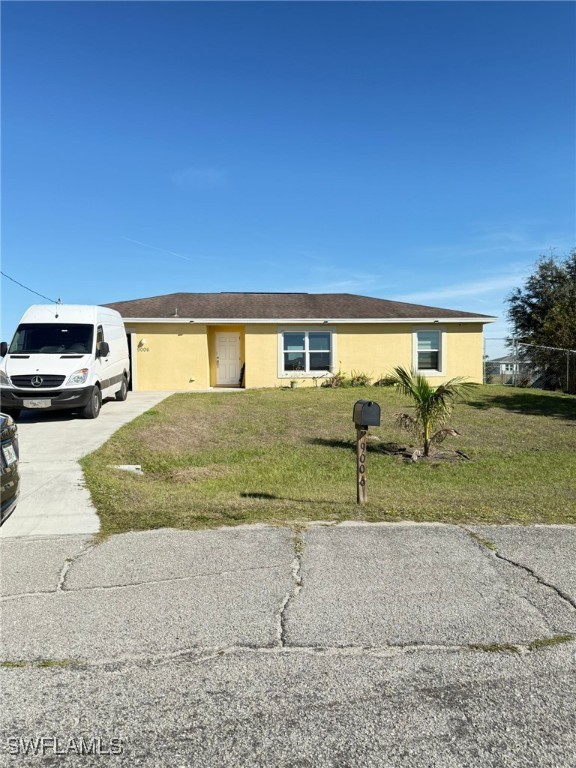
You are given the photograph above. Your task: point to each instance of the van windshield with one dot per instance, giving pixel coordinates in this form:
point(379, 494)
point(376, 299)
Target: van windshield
point(52, 339)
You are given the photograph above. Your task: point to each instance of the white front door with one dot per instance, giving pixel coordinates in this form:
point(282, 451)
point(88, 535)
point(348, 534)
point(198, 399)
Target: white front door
point(228, 359)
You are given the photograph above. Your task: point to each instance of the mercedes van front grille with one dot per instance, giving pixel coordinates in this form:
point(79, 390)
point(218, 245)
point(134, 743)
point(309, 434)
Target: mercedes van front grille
point(37, 381)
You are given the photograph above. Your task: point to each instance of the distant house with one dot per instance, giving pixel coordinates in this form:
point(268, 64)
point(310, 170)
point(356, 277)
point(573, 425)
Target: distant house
point(191, 341)
point(504, 365)
point(509, 369)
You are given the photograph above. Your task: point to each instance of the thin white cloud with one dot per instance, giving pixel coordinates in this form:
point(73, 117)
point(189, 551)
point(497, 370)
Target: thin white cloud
point(193, 259)
point(155, 248)
point(498, 283)
point(501, 244)
point(511, 250)
point(200, 178)
point(347, 286)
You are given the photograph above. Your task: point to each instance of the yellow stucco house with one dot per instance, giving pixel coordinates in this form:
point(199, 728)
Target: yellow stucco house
point(190, 341)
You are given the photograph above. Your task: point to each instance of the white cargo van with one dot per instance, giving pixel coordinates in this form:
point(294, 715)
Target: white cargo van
point(65, 356)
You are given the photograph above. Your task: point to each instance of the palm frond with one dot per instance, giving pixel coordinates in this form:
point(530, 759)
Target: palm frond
point(408, 423)
point(410, 383)
point(442, 434)
point(456, 389)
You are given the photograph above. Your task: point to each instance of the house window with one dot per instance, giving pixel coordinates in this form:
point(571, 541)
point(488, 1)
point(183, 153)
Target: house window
point(305, 352)
point(428, 351)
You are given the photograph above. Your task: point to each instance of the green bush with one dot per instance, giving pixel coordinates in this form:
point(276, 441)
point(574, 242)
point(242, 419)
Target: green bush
point(359, 379)
point(337, 379)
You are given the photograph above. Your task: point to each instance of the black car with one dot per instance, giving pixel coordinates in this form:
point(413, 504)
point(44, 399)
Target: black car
point(9, 454)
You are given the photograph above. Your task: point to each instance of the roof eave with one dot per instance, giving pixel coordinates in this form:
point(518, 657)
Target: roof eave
point(307, 320)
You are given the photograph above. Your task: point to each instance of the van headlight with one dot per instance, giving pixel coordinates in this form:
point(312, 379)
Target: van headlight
point(4, 380)
point(79, 377)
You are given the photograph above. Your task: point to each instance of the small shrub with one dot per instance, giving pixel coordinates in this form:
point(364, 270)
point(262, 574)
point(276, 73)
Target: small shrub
point(359, 379)
point(432, 405)
point(385, 381)
point(337, 379)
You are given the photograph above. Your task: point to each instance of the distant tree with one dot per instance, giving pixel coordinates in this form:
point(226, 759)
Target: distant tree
point(543, 312)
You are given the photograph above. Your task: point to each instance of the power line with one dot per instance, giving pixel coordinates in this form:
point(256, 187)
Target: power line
point(30, 289)
point(542, 346)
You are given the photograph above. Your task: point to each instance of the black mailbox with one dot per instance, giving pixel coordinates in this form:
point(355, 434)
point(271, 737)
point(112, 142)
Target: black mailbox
point(366, 413)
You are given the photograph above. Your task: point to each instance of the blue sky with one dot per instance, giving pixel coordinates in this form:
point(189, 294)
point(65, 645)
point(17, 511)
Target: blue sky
point(421, 152)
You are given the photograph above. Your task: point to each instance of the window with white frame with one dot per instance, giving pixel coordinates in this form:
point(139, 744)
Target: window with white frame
point(305, 352)
point(428, 351)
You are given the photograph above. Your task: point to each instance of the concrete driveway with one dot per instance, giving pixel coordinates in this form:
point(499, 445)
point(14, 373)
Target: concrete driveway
point(386, 645)
point(53, 497)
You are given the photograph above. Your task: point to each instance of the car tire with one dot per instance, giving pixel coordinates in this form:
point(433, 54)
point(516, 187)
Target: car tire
point(92, 407)
point(122, 393)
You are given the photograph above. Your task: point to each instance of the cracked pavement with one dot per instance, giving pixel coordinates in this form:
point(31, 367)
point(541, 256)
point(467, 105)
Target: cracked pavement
point(340, 645)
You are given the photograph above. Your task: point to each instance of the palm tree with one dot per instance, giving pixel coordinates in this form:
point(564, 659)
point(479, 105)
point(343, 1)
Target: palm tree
point(432, 405)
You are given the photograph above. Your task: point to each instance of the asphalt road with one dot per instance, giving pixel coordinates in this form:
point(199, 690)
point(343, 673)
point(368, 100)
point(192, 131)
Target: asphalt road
point(349, 645)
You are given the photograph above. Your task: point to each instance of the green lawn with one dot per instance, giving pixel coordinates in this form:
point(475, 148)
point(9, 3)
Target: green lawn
point(288, 456)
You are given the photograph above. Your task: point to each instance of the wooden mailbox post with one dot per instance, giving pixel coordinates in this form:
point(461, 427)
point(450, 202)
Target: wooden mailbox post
point(366, 414)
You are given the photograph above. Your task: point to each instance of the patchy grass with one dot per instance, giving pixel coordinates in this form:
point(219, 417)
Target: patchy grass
point(41, 663)
point(298, 541)
point(287, 456)
point(495, 647)
point(550, 641)
point(482, 541)
point(534, 645)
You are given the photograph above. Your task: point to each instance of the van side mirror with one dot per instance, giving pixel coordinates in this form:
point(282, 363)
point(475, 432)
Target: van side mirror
point(103, 349)
point(3, 349)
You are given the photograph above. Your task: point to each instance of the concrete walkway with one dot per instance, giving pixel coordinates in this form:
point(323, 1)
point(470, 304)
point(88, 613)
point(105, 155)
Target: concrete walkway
point(393, 645)
point(53, 497)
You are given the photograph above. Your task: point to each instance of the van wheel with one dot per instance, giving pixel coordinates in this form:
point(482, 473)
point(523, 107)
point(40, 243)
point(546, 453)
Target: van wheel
point(92, 407)
point(122, 393)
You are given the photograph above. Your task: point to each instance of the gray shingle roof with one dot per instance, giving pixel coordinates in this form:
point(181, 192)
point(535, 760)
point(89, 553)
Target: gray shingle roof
point(278, 306)
point(509, 359)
